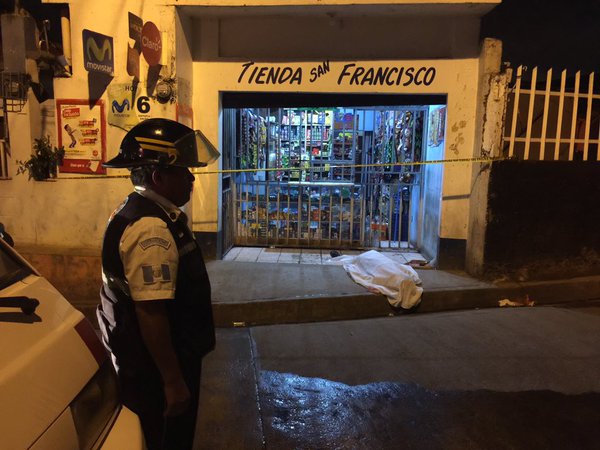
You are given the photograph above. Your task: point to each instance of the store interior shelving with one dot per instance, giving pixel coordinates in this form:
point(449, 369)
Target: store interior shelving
point(308, 179)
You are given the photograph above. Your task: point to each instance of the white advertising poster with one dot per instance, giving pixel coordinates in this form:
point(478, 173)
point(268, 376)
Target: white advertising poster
point(121, 106)
point(126, 107)
point(82, 132)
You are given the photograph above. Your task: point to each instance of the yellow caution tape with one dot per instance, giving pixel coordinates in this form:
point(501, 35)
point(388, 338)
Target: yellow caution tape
point(311, 168)
point(350, 166)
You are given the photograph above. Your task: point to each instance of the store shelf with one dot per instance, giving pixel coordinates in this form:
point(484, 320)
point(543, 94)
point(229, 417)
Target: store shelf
point(318, 190)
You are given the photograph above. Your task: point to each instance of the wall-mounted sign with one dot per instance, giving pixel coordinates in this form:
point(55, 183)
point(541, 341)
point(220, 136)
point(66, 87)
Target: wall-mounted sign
point(98, 53)
point(350, 74)
point(437, 123)
point(135, 29)
point(125, 107)
point(151, 44)
point(133, 53)
point(121, 111)
point(82, 131)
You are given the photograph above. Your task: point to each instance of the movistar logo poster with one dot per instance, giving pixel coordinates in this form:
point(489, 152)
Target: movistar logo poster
point(120, 107)
point(98, 52)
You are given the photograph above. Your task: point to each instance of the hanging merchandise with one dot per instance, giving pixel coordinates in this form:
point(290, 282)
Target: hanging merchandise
point(253, 142)
point(407, 137)
point(244, 137)
point(251, 150)
point(262, 142)
point(418, 140)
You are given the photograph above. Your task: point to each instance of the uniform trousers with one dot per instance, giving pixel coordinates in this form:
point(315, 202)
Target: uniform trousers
point(145, 397)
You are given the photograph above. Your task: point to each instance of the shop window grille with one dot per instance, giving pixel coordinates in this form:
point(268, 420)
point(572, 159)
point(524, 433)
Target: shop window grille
point(326, 177)
point(14, 88)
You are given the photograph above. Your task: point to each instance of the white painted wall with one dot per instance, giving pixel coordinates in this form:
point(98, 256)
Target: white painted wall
point(72, 211)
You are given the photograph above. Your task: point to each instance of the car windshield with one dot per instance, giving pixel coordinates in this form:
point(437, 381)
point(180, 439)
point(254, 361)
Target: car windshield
point(11, 268)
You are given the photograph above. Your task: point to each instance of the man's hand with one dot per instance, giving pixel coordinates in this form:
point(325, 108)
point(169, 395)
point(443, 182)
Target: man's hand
point(155, 329)
point(177, 398)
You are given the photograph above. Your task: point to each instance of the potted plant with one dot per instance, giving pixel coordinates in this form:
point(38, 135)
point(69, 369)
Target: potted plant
point(44, 160)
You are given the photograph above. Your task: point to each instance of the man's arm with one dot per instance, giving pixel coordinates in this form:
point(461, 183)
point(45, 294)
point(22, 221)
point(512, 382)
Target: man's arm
point(150, 261)
point(156, 332)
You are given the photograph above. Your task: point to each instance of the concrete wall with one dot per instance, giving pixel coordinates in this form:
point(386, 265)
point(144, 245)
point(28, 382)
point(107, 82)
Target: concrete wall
point(493, 89)
point(543, 220)
point(387, 37)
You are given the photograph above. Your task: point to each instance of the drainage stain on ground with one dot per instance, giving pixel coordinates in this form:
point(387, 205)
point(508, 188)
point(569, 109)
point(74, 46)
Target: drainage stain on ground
point(314, 413)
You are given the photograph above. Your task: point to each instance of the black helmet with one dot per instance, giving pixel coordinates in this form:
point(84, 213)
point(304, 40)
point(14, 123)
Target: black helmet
point(163, 142)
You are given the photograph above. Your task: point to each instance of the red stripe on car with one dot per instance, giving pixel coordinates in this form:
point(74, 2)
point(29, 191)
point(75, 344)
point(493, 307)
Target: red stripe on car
point(88, 335)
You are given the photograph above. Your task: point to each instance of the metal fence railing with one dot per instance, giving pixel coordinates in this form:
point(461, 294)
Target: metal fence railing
point(320, 214)
point(552, 119)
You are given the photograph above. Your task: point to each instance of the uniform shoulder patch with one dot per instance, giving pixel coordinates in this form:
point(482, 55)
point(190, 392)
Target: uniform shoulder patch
point(156, 273)
point(155, 241)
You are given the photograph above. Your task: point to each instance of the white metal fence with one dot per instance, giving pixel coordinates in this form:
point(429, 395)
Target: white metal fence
point(552, 120)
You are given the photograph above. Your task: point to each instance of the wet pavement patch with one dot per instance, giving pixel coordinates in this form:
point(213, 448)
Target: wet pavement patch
point(314, 413)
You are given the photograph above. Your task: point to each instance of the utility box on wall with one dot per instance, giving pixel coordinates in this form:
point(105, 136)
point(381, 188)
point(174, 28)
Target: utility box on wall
point(19, 41)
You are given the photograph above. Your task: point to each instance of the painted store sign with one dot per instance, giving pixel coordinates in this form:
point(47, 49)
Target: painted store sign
point(349, 74)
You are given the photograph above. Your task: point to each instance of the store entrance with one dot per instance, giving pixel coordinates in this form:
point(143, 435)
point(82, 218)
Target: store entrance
point(336, 177)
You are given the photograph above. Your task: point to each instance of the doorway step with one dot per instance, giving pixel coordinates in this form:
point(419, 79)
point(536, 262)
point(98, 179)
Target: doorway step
point(309, 256)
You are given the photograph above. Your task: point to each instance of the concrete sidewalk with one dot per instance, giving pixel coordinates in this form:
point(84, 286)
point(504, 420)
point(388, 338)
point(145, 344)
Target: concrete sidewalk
point(247, 294)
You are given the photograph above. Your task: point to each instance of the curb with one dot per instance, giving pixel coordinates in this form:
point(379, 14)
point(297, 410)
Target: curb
point(539, 292)
point(369, 305)
point(350, 307)
point(300, 310)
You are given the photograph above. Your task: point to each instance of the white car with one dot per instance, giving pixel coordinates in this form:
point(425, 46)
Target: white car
point(57, 385)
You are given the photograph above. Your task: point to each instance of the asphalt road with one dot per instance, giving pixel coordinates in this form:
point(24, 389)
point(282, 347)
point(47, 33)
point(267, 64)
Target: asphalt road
point(518, 378)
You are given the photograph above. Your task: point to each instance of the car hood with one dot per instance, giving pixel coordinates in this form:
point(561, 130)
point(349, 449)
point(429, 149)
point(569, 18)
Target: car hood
point(44, 362)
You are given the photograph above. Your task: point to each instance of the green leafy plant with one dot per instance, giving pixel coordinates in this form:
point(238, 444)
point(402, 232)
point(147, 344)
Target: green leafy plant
point(44, 160)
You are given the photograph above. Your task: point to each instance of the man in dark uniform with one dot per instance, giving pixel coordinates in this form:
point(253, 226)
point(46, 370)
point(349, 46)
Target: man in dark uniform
point(155, 312)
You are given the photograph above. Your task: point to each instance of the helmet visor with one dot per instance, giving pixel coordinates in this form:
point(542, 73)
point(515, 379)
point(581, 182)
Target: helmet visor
point(195, 150)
